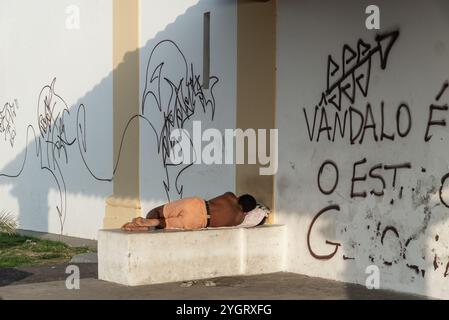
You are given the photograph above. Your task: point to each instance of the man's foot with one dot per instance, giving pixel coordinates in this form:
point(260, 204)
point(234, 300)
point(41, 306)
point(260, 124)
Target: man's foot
point(130, 227)
point(145, 222)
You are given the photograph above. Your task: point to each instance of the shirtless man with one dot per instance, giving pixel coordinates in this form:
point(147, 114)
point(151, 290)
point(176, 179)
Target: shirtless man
point(193, 213)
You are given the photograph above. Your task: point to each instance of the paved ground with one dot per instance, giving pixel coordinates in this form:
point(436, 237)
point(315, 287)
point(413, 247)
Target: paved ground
point(49, 283)
point(25, 275)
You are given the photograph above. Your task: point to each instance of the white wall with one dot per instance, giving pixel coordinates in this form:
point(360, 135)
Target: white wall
point(402, 232)
point(175, 29)
point(36, 48)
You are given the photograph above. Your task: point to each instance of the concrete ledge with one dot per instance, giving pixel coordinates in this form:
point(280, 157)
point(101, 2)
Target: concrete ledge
point(168, 256)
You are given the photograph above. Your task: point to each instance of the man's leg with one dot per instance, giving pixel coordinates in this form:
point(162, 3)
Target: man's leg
point(156, 213)
point(132, 227)
point(142, 222)
point(165, 217)
point(153, 219)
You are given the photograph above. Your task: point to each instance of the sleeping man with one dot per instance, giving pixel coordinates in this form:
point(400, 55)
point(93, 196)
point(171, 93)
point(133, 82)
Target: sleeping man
point(193, 213)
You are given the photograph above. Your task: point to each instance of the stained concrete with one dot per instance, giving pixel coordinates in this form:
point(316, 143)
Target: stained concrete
point(268, 286)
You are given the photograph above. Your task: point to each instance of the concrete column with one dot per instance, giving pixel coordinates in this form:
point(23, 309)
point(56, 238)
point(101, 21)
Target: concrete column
point(124, 204)
point(256, 86)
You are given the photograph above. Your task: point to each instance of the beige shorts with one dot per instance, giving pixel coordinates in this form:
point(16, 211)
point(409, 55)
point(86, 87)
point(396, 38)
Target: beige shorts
point(187, 213)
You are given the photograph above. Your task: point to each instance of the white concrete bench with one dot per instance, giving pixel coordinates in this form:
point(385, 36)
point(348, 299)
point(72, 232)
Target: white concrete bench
point(174, 255)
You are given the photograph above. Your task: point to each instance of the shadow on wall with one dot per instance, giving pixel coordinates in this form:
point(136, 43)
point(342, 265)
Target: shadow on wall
point(68, 147)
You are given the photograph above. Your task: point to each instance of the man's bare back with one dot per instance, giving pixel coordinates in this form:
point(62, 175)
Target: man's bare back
point(225, 211)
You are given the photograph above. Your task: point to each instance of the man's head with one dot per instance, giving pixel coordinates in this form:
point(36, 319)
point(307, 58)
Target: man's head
point(247, 202)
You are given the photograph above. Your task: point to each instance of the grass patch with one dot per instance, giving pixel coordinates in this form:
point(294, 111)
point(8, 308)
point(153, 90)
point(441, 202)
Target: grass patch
point(17, 250)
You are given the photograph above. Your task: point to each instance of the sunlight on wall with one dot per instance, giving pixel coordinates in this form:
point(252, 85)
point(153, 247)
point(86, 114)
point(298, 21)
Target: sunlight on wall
point(157, 15)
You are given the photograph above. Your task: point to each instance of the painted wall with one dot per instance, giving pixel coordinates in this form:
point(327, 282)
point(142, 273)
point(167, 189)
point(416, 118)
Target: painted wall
point(56, 114)
point(388, 205)
point(56, 168)
point(172, 83)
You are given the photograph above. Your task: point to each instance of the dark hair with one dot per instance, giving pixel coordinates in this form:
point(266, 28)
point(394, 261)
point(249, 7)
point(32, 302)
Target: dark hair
point(247, 202)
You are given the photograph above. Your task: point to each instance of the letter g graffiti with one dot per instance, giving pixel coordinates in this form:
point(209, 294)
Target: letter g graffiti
point(335, 244)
